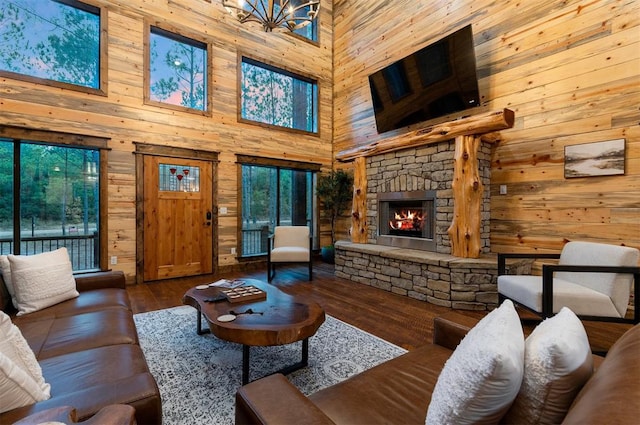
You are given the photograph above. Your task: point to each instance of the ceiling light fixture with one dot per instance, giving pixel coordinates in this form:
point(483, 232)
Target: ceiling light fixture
point(274, 14)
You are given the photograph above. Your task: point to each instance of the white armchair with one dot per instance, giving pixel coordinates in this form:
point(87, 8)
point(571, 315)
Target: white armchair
point(289, 244)
point(594, 280)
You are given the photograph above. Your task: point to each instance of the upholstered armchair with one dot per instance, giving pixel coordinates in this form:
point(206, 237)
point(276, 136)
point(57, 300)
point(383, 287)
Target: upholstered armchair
point(289, 244)
point(594, 280)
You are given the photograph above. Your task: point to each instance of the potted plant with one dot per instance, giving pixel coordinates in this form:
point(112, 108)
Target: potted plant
point(334, 191)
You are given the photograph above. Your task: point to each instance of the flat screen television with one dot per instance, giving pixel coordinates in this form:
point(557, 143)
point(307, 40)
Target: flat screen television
point(436, 81)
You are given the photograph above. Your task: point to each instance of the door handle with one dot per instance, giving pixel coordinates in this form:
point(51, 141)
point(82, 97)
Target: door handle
point(208, 215)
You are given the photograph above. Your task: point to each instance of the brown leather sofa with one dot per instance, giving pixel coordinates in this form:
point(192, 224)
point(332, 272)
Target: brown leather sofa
point(89, 353)
point(398, 391)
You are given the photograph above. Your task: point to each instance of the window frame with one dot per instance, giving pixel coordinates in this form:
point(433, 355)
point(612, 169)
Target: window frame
point(80, 141)
point(186, 37)
point(280, 164)
point(87, 6)
point(316, 41)
point(278, 68)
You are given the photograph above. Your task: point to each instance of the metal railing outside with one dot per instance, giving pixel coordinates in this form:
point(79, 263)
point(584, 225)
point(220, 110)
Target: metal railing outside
point(255, 241)
point(83, 249)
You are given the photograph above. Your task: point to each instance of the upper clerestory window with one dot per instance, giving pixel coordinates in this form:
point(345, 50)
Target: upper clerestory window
point(276, 97)
point(52, 42)
point(178, 71)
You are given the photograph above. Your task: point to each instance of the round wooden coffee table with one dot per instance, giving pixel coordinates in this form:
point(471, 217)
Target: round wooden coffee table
point(277, 320)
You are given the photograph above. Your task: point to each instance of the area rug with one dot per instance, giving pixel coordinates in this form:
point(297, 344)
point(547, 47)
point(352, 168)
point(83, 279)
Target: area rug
point(198, 375)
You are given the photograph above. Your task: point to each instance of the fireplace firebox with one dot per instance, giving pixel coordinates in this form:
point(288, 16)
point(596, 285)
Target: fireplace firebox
point(407, 219)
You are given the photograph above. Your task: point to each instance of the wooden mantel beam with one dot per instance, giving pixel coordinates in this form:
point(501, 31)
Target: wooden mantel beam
point(464, 231)
point(467, 126)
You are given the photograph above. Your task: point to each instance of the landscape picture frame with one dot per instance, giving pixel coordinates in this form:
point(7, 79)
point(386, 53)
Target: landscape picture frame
point(606, 158)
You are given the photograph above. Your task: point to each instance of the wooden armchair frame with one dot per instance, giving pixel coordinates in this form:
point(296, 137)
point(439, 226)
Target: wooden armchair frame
point(547, 283)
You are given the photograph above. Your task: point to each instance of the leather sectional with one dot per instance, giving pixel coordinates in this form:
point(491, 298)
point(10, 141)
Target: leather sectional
point(399, 390)
point(88, 350)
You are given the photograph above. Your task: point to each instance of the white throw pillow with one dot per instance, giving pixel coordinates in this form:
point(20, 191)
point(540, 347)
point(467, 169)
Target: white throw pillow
point(16, 348)
point(557, 364)
point(42, 280)
point(483, 375)
point(21, 380)
point(5, 269)
point(16, 386)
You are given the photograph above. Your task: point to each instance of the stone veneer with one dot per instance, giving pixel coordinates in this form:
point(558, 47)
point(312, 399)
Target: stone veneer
point(435, 277)
point(426, 168)
point(441, 279)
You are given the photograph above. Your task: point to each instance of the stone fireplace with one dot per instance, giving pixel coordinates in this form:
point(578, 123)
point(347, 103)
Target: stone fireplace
point(424, 173)
point(407, 219)
point(420, 217)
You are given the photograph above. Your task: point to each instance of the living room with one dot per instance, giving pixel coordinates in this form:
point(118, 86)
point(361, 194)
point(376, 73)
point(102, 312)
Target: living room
point(568, 70)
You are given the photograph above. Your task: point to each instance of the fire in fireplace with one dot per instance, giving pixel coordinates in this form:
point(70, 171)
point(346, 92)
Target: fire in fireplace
point(407, 219)
point(407, 222)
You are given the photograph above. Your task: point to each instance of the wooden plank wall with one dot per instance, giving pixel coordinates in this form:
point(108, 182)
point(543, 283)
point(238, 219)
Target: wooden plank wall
point(569, 69)
point(123, 116)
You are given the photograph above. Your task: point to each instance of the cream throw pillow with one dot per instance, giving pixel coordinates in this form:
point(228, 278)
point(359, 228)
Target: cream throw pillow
point(5, 269)
point(42, 280)
point(483, 375)
point(21, 380)
point(16, 386)
point(557, 363)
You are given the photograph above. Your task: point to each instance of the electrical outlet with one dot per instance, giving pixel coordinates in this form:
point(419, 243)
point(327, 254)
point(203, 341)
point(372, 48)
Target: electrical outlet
point(114, 260)
point(503, 189)
point(233, 251)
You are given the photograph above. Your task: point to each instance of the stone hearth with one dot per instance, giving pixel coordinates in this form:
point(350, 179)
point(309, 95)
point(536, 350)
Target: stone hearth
point(441, 279)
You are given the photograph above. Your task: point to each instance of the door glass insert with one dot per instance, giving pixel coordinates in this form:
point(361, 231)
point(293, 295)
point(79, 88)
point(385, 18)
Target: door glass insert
point(179, 178)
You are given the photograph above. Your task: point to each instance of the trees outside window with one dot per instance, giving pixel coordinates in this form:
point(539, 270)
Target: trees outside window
point(273, 96)
point(57, 204)
point(178, 70)
point(273, 196)
point(46, 39)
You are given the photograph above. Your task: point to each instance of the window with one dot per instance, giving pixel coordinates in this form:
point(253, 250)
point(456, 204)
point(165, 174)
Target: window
point(178, 178)
point(178, 70)
point(50, 40)
point(309, 32)
point(273, 193)
point(58, 200)
point(276, 97)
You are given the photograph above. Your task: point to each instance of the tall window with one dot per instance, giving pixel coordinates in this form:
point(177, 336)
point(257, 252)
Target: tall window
point(51, 40)
point(57, 203)
point(272, 195)
point(273, 96)
point(178, 70)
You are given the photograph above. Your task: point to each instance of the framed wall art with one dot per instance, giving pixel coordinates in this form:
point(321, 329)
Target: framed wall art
point(594, 159)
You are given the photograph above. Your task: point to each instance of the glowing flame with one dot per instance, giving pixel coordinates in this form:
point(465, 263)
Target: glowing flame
point(407, 220)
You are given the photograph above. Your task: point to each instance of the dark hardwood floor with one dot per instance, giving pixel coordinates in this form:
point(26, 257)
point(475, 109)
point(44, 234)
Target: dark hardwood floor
point(400, 320)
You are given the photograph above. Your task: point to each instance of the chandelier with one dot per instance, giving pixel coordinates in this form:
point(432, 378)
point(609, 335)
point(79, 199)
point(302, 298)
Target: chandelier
point(274, 14)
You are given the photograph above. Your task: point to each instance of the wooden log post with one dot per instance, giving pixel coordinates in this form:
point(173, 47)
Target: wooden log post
point(359, 207)
point(468, 190)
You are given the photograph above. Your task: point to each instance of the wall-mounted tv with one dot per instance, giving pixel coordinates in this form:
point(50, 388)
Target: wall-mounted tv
point(437, 80)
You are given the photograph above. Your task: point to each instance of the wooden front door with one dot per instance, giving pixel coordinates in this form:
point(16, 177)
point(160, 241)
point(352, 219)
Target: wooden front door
point(178, 217)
